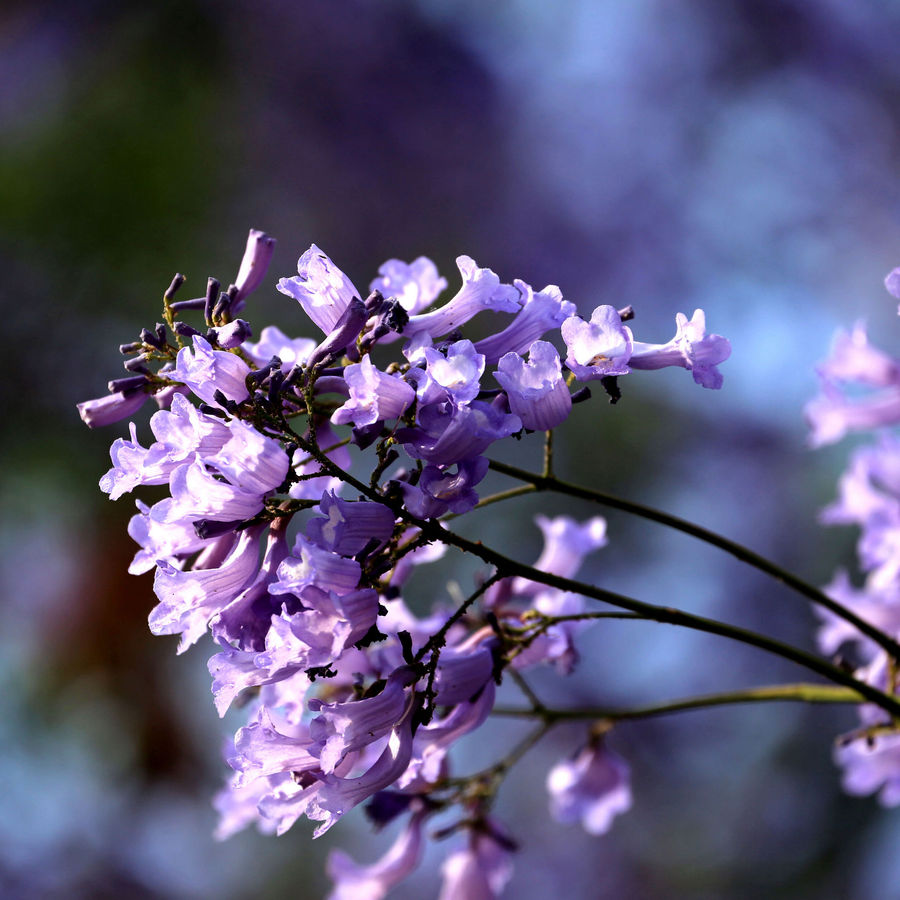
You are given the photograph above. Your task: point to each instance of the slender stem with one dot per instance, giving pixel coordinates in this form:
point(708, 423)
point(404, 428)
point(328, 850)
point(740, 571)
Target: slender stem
point(548, 454)
point(806, 693)
point(434, 530)
point(436, 641)
point(665, 614)
point(543, 622)
point(483, 786)
point(520, 749)
point(536, 705)
point(744, 554)
point(169, 316)
point(534, 626)
point(496, 498)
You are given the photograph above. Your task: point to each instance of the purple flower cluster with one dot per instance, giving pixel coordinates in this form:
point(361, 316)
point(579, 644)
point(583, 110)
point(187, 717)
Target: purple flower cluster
point(860, 391)
point(298, 567)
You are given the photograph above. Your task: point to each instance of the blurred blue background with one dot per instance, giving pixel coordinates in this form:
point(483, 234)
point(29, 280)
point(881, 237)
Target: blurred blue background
point(737, 155)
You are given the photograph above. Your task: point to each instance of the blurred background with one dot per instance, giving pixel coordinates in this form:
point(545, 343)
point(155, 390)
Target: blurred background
point(736, 155)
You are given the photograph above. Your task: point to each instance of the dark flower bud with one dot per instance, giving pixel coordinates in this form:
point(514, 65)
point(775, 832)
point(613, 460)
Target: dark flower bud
point(260, 375)
point(212, 411)
point(209, 528)
point(345, 331)
point(223, 401)
point(374, 302)
point(182, 329)
point(148, 337)
point(182, 305)
point(581, 395)
point(177, 282)
point(366, 435)
point(222, 307)
point(127, 384)
point(137, 365)
point(212, 295)
point(233, 334)
point(275, 382)
point(385, 806)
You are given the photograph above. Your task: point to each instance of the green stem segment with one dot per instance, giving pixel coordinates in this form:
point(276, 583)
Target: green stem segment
point(745, 555)
point(802, 692)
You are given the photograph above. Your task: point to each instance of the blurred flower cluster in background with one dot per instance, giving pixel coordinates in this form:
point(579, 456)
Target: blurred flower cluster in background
point(739, 156)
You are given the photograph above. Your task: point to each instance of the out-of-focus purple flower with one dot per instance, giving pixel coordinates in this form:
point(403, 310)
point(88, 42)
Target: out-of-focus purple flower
point(481, 290)
point(463, 671)
point(871, 759)
point(892, 283)
point(691, 348)
point(416, 285)
point(355, 882)
point(255, 263)
point(479, 872)
point(540, 313)
point(599, 348)
point(349, 526)
point(853, 358)
point(237, 805)
point(869, 487)
point(557, 644)
point(869, 496)
point(374, 396)
point(880, 608)
point(434, 740)
point(320, 287)
point(872, 765)
point(111, 408)
point(832, 414)
point(566, 543)
point(206, 371)
point(536, 389)
point(274, 342)
point(592, 788)
point(879, 551)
